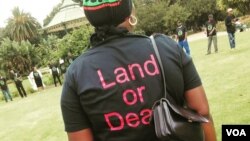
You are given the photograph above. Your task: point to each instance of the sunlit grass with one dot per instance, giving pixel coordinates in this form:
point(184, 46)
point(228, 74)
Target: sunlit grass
point(226, 79)
point(35, 118)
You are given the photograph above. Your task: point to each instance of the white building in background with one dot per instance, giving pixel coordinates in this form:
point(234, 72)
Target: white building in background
point(71, 15)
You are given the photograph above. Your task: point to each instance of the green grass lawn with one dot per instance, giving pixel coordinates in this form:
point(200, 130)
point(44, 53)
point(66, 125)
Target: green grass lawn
point(226, 79)
point(225, 76)
point(35, 118)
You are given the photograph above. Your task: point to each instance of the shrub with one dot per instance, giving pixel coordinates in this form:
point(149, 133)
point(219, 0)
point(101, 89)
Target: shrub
point(221, 26)
point(29, 90)
point(14, 93)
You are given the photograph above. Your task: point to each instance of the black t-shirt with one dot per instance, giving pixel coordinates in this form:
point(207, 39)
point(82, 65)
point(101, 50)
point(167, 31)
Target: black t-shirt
point(229, 25)
point(17, 78)
point(3, 84)
point(54, 69)
point(36, 75)
point(63, 67)
point(70, 59)
point(210, 25)
point(111, 88)
point(181, 31)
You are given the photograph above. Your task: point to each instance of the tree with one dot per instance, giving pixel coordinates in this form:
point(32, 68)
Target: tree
point(199, 10)
point(150, 16)
point(175, 13)
point(2, 33)
point(243, 6)
point(17, 55)
point(22, 26)
point(160, 15)
point(52, 14)
point(76, 42)
point(47, 49)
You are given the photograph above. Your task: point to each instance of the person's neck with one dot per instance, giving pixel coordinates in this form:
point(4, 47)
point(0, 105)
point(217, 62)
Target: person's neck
point(130, 29)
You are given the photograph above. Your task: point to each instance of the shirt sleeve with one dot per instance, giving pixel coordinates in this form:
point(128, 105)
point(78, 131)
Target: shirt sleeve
point(190, 74)
point(187, 68)
point(74, 117)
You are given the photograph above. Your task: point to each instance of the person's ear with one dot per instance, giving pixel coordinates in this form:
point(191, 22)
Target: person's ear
point(132, 20)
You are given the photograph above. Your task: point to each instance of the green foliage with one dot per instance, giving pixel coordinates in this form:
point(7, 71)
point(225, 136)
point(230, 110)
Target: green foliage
point(242, 6)
point(48, 49)
point(3, 33)
point(22, 26)
point(150, 17)
point(76, 42)
point(13, 55)
point(22, 55)
point(199, 10)
point(221, 26)
point(14, 93)
point(30, 90)
point(19, 56)
point(245, 20)
point(162, 15)
point(174, 14)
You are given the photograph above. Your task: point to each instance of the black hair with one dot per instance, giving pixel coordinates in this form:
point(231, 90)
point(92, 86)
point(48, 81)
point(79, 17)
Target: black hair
point(103, 33)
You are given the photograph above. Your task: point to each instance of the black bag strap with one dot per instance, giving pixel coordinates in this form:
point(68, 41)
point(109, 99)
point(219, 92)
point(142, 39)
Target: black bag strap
point(161, 65)
point(190, 115)
point(158, 56)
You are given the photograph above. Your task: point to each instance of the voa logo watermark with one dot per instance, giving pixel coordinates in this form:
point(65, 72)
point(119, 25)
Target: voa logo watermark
point(236, 132)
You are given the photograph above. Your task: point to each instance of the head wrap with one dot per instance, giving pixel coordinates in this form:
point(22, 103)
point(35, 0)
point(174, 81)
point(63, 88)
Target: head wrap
point(107, 12)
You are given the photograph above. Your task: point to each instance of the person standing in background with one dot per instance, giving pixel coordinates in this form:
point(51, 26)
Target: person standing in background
point(37, 75)
point(5, 89)
point(182, 37)
point(17, 78)
point(62, 67)
point(211, 34)
point(54, 71)
point(70, 58)
point(230, 26)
